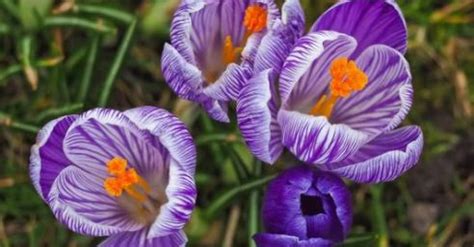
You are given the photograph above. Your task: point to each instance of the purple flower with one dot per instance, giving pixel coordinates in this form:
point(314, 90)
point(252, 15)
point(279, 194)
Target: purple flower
point(340, 95)
point(127, 175)
point(213, 45)
point(305, 207)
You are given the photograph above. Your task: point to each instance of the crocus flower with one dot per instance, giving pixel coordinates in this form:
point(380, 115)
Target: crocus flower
point(305, 207)
point(213, 45)
point(340, 95)
point(127, 175)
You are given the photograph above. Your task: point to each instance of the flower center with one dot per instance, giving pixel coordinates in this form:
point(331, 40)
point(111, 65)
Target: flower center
point(346, 79)
point(311, 205)
point(255, 20)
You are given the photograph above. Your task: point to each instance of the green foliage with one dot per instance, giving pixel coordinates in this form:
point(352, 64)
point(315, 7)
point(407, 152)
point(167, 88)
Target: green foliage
point(57, 59)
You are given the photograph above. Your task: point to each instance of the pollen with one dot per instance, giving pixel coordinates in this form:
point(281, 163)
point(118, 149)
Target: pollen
point(125, 179)
point(255, 19)
point(129, 177)
point(113, 186)
point(229, 55)
point(346, 79)
point(116, 165)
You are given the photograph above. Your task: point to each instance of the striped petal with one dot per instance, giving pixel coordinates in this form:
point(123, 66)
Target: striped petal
point(181, 190)
point(387, 98)
point(280, 38)
point(383, 159)
point(293, 16)
point(217, 110)
point(138, 238)
point(181, 28)
point(227, 87)
point(256, 116)
point(182, 77)
point(99, 135)
point(369, 22)
point(79, 201)
point(174, 214)
point(170, 131)
point(314, 140)
point(305, 74)
point(47, 158)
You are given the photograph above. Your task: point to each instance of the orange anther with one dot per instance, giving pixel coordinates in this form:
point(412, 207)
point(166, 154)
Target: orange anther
point(113, 186)
point(255, 19)
point(116, 166)
point(228, 51)
point(129, 177)
point(346, 78)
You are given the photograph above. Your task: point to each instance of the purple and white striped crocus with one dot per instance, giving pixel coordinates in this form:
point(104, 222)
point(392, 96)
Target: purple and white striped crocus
point(212, 50)
point(342, 90)
point(127, 175)
point(305, 207)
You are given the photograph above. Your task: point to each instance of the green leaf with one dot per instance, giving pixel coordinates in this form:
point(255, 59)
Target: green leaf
point(32, 12)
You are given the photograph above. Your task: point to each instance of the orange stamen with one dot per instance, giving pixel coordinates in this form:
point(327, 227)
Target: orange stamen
point(346, 79)
point(129, 177)
point(113, 187)
point(116, 166)
point(229, 55)
point(135, 194)
point(255, 19)
point(124, 178)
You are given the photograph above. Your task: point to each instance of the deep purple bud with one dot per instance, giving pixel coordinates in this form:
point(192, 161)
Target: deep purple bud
point(305, 207)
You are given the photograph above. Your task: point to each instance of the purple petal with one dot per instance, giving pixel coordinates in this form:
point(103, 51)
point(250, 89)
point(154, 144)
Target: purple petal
point(186, 81)
point(341, 196)
point(174, 214)
point(383, 159)
point(270, 240)
point(99, 135)
point(290, 206)
point(256, 115)
point(281, 208)
point(305, 74)
point(183, 77)
point(171, 133)
point(181, 28)
point(47, 158)
point(79, 201)
point(370, 22)
point(200, 28)
point(227, 87)
point(138, 238)
point(274, 48)
point(316, 141)
point(181, 190)
point(217, 110)
point(293, 16)
point(386, 100)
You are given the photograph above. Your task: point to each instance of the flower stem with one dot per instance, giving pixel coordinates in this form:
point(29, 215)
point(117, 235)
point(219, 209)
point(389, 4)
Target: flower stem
point(254, 201)
point(239, 165)
point(379, 222)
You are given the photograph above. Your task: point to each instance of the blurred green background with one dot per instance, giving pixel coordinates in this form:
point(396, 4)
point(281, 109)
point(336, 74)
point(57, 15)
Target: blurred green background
point(62, 57)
